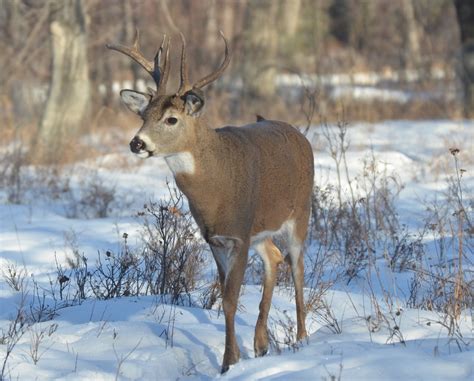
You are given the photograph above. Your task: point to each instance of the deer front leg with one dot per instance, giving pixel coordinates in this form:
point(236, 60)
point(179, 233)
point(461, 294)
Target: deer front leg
point(231, 255)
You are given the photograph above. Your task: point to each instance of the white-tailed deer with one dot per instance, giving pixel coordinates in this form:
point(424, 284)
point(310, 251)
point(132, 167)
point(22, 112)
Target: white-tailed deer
point(244, 184)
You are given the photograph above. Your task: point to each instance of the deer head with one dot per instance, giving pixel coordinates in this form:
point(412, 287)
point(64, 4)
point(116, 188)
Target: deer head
point(169, 120)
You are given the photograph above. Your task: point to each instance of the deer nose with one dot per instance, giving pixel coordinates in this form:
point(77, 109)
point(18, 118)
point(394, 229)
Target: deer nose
point(137, 145)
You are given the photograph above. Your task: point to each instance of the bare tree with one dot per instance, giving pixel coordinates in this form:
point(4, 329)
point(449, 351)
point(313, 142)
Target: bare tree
point(211, 26)
point(260, 44)
point(340, 14)
point(465, 16)
point(290, 16)
point(228, 19)
point(69, 93)
point(128, 32)
point(412, 58)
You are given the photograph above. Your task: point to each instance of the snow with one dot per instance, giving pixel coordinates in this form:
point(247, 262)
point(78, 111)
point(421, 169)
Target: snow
point(144, 338)
point(380, 86)
point(92, 338)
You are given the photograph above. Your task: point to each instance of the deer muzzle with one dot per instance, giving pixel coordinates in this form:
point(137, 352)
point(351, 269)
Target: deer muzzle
point(137, 145)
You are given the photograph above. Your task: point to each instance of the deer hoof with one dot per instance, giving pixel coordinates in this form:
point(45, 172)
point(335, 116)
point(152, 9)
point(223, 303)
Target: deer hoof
point(230, 358)
point(260, 341)
point(259, 352)
point(260, 345)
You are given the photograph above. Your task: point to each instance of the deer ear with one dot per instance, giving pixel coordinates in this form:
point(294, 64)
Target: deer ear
point(135, 101)
point(194, 102)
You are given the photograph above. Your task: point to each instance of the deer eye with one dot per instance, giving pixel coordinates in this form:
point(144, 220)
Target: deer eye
point(171, 120)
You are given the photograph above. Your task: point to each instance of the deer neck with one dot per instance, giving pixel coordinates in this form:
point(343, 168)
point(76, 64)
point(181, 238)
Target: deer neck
point(194, 166)
point(198, 173)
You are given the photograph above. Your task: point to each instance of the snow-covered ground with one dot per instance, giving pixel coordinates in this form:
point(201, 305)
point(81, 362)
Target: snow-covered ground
point(140, 338)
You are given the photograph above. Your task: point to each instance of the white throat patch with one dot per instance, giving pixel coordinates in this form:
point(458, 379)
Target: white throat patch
point(182, 162)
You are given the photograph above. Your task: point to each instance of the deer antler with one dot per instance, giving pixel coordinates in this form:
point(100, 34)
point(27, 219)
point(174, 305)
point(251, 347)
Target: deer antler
point(213, 76)
point(185, 86)
point(159, 73)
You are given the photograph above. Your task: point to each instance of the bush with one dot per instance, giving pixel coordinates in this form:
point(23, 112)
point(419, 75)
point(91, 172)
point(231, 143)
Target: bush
point(357, 223)
point(169, 262)
point(173, 257)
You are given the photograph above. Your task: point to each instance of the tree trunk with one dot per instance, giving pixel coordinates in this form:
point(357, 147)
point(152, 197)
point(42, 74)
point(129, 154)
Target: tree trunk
point(261, 44)
point(128, 34)
point(341, 20)
point(465, 16)
point(290, 16)
point(228, 19)
point(68, 99)
point(412, 56)
point(212, 30)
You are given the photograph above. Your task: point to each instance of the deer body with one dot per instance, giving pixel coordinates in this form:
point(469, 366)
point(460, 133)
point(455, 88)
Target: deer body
point(239, 176)
point(244, 185)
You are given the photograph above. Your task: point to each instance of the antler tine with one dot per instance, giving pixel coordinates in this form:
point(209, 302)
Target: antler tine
point(213, 76)
point(157, 68)
point(134, 53)
point(157, 59)
point(160, 51)
point(159, 73)
point(165, 68)
point(184, 85)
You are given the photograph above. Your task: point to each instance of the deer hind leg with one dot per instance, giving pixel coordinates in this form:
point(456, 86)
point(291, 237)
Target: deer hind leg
point(231, 256)
point(216, 252)
point(296, 261)
point(271, 257)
